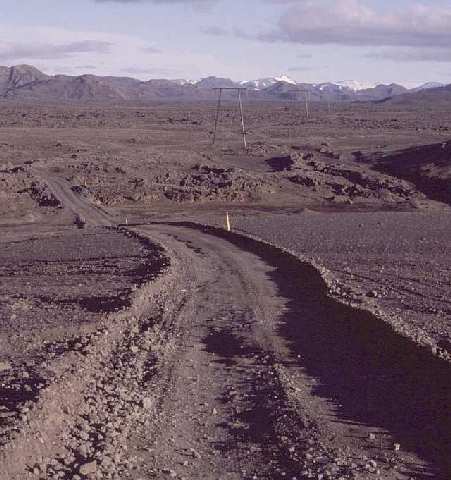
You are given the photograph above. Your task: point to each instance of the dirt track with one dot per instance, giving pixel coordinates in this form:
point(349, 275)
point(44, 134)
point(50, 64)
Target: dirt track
point(75, 203)
point(235, 364)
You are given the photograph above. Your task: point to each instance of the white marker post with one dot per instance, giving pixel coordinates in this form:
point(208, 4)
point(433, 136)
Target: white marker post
point(228, 226)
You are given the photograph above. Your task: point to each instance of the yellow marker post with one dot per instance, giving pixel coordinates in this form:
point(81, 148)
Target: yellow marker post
point(228, 227)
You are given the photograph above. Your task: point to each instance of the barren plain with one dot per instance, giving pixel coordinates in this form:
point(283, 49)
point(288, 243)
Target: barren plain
point(140, 339)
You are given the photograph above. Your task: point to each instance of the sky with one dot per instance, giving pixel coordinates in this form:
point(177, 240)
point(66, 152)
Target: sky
point(370, 41)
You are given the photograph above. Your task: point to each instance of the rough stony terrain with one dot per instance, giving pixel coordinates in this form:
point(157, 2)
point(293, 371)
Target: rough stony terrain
point(312, 342)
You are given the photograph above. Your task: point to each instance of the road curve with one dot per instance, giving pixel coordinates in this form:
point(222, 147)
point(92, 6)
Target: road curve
point(242, 367)
point(272, 377)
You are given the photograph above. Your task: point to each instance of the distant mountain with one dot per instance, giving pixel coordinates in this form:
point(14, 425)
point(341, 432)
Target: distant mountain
point(263, 83)
point(25, 82)
point(183, 81)
point(440, 97)
point(333, 92)
point(427, 86)
point(215, 82)
point(380, 92)
point(354, 85)
point(285, 79)
point(18, 76)
point(259, 84)
point(61, 87)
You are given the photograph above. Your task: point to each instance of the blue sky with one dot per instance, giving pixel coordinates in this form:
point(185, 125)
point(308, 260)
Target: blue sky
point(310, 40)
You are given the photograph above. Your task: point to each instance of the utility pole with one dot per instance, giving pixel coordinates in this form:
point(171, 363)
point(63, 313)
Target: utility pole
point(243, 128)
point(240, 105)
point(307, 101)
point(218, 108)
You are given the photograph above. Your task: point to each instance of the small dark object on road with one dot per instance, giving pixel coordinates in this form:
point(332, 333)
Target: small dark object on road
point(80, 221)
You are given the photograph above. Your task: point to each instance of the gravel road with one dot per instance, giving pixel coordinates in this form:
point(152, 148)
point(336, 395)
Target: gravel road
point(234, 363)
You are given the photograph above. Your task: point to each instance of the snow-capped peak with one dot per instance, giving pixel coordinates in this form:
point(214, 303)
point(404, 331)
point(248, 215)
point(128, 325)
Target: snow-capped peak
point(286, 79)
point(184, 81)
point(263, 83)
point(355, 85)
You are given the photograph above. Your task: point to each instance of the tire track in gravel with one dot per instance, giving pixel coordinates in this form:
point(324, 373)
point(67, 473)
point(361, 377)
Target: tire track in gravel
point(387, 388)
point(79, 425)
point(237, 365)
point(269, 378)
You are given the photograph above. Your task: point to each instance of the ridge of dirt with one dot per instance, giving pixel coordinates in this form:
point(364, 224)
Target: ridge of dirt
point(69, 425)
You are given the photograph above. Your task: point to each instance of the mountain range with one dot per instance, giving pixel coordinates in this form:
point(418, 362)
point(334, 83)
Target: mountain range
point(25, 82)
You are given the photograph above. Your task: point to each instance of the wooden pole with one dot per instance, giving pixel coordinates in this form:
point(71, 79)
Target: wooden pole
point(217, 115)
point(243, 128)
point(307, 108)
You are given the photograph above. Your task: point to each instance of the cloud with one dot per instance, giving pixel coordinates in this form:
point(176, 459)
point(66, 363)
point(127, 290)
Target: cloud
point(354, 23)
point(303, 69)
point(47, 51)
point(57, 50)
point(85, 67)
point(161, 2)
point(151, 50)
point(215, 31)
point(198, 5)
point(146, 71)
point(441, 55)
point(304, 56)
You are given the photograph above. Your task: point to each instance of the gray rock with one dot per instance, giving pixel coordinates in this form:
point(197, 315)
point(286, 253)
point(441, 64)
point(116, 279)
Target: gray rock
point(147, 403)
point(4, 366)
point(88, 468)
point(171, 473)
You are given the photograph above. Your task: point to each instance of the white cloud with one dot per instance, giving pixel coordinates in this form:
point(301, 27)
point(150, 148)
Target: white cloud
point(215, 30)
point(196, 4)
point(164, 2)
point(20, 51)
point(353, 22)
point(441, 55)
point(58, 50)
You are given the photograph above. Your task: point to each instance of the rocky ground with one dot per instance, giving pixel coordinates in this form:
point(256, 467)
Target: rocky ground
point(135, 349)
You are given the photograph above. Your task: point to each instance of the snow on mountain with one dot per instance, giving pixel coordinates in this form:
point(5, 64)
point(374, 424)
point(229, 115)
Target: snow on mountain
point(325, 87)
point(285, 79)
point(263, 83)
point(26, 82)
point(427, 86)
point(355, 85)
point(259, 84)
point(183, 81)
